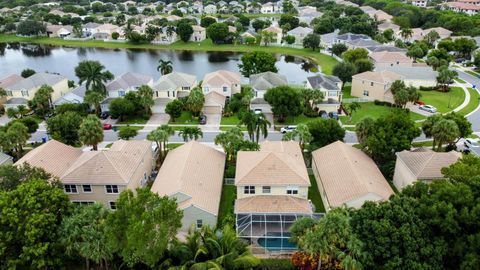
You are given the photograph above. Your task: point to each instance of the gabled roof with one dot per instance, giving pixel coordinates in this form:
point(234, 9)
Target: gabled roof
point(272, 204)
point(382, 57)
point(351, 36)
point(214, 98)
point(128, 80)
point(267, 80)
point(53, 156)
point(277, 163)
point(195, 170)
point(4, 158)
point(220, 78)
point(427, 164)
point(414, 73)
point(321, 81)
point(10, 80)
point(300, 30)
point(347, 174)
point(175, 80)
point(273, 29)
point(37, 80)
point(383, 76)
point(114, 166)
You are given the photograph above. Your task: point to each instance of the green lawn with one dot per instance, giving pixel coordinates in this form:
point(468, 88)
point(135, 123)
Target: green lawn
point(473, 73)
point(347, 90)
point(171, 146)
point(422, 144)
point(228, 128)
point(440, 100)
point(138, 120)
point(460, 80)
point(369, 109)
point(301, 119)
point(185, 118)
point(473, 104)
point(326, 62)
point(314, 195)
point(231, 120)
point(227, 201)
point(137, 128)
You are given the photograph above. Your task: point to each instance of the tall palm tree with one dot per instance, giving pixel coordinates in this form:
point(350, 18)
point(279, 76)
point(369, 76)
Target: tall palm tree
point(267, 37)
point(170, 30)
point(145, 93)
point(165, 66)
point(352, 108)
point(94, 75)
point(406, 33)
point(445, 131)
point(363, 129)
point(190, 133)
point(249, 121)
point(91, 131)
point(160, 136)
point(94, 99)
point(301, 133)
point(262, 126)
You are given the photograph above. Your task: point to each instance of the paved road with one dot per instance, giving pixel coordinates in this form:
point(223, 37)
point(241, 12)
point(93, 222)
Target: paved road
point(474, 118)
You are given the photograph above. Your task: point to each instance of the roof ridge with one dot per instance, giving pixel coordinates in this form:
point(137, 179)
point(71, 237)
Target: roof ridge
point(357, 176)
point(424, 165)
point(69, 170)
point(253, 167)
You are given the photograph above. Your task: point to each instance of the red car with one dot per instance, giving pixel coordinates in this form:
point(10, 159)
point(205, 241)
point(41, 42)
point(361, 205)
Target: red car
point(107, 126)
point(418, 102)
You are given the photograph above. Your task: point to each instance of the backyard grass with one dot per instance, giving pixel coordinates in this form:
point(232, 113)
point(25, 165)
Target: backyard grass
point(473, 104)
point(346, 92)
point(422, 144)
point(138, 120)
point(369, 109)
point(440, 100)
point(301, 119)
point(231, 120)
point(185, 118)
point(326, 62)
point(172, 146)
point(229, 193)
point(314, 195)
point(228, 128)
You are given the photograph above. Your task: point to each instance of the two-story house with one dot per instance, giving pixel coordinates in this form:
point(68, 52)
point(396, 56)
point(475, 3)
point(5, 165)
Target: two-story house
point(330, 86)
point(95, 176)
point(390, 59)
point(123, 84)
point(223, 82)
point(300, 33)
point(374, 85)
point(199, 33)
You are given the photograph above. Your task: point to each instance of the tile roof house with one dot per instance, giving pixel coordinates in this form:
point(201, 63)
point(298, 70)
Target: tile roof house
point(95, 176)
point(421, 164)
point(199, 33)
point(300, 33)
point(175, 84)
point(261, 82)
point(390, 59)
point(123, 84)
point(224, 82)
point(277, 31)
point(6, 82)
point(75, 96)
point(416, 75)
point(388, 25)
point(330, 86)
point(193, 174)
point(22, 91)
point(274, 173)
point(214, 103)
point(467, 8)
point(374, 85)
point(347, 176)
point(59, 31)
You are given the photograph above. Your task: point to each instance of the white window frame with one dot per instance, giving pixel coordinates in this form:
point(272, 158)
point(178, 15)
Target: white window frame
point(121, 93)
point(70, 186)
point(10, 93)
point(366, 93)
point(110, 203)
point(224, 89)
point(292, 190)
point(79, 202)
point(199, 223)
point(106, 189)
point(24, 93)
point(83, 189)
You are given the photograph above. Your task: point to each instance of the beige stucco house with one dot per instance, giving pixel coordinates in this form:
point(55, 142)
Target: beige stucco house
point(277, 33)
point(173, 85)
point(347, 176)
point(193, 175)
point(24, 90)
point(199, 33)
point(374, 85)
point(421, 164)
point(330, 86)
point(390, 59)
point(223, 82)
point(95, 176)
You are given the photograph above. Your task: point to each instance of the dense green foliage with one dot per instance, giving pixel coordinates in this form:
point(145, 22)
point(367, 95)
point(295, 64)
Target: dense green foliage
point(257, 62)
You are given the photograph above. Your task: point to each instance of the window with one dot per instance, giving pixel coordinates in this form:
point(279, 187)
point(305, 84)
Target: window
point(206, 89)
point(121, 93)
point(371, 84)
point(249, 190)
point(24, 93)
point(266, 189)
point(83, 202)
point(87, 188)
point(332, 93)
point(225, 89)
point(111, 188)
point(70, 188)
point(113, 205)
point(199, 223)
point(9, 93)
point(366, 93)
point(185, 88)
point(292, 190)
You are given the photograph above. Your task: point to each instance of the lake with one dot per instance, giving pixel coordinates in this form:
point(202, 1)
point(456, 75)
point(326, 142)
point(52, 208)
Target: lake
point(14, 57)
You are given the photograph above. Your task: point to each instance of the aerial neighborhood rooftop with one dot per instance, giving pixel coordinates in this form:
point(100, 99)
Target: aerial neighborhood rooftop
point(239, 134)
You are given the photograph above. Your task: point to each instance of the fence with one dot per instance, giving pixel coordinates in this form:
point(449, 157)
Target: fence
point(360, 100)
point(229, 181)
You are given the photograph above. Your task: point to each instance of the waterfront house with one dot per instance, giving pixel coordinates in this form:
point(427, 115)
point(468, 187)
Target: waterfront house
point(224, 82)
point(277, 33)
point(300, 33)
point(261, 82)
point(173, 85)
point(199, 33)
point(330, 86)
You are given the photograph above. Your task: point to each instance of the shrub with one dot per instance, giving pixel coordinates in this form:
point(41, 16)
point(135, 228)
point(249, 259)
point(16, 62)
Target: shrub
point(230, 171)
point(275, 264)
point(382, 103)
point(310, 113)
point(429, 88)
point(29, 122)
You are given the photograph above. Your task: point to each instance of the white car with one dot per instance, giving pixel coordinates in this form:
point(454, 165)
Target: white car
point(428, 108)
point(470, 143)
point(287, 129)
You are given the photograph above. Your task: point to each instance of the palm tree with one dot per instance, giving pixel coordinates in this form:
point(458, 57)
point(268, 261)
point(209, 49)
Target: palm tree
point(262, 126)
point(94, 75)
point(190, 133)
point(249, 121)
point(145, 93)
point(195, 101)
point(363, 129)
point(165, 66)
point(94, 99)
point(229, 140)
point(91, 131)
point(406, 33)
point(352, 108)
point(267, 37)
point(444, 131)
point(170, 30)
point(160, 136)
point(301, 133)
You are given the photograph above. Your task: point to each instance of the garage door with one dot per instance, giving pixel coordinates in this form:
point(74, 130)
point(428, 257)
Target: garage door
point(212, 109)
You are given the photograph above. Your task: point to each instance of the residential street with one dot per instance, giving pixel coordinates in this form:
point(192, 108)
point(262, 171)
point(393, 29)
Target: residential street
point(474, 118)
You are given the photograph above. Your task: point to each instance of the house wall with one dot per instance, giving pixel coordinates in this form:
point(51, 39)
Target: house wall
point(402, 176)
point(144, 169)
point(358, 202)
point(265, 108)
point(98, 195)
point(59, 89)
point(383, 65)
point(192, 213)
point(274, 190)
point(323, 195)
point(375, 90)
point(69, 98)
point(198, 36)
point(230, 89)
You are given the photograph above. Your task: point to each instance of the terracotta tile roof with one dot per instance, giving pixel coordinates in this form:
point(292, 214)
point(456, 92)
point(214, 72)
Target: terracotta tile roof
point(381, 57)
point(273, 29)
point(464, 6)
point(277, 163)
point(427, 164)
point(221, 78)
point(273, 204)
point(214, 99)
point(347, 174)
point(195, 170)
point(53, 156)
point(383, 77)
point(10, 80)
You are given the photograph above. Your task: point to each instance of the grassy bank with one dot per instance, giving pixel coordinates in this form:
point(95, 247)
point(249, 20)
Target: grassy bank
point(473, 104)
point(326, 62)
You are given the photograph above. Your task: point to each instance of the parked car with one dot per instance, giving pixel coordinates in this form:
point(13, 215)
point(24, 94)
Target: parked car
point(104, 115)
point(287, 129)
point(333, 115)
point(202, 120)
point(107, 126)
point(258, 111)
point(428, 108)
point(470, 143)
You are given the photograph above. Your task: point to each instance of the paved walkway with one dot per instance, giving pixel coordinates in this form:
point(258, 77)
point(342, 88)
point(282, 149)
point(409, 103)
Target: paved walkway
point(156, 120)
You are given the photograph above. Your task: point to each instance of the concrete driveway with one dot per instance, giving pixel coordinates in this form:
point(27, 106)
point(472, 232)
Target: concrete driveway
point(213, 122)
point(416, 109)
point(156, 120)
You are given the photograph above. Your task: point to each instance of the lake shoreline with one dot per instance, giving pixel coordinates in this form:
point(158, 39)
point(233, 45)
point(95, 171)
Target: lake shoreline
point(325, 62)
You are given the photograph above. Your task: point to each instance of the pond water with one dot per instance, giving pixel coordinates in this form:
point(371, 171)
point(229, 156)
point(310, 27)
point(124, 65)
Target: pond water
point(14, 57)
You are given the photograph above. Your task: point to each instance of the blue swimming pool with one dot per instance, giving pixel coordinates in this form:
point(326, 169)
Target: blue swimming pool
point(276, 244)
